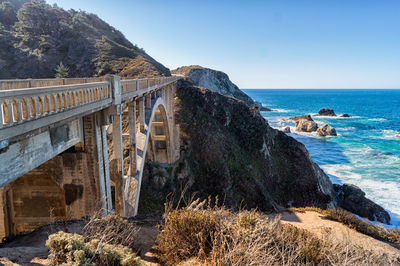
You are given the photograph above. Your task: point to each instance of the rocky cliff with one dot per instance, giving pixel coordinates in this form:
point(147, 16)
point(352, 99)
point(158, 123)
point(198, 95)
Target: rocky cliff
point(35, 37)
point(229, 150)
point(213, 80)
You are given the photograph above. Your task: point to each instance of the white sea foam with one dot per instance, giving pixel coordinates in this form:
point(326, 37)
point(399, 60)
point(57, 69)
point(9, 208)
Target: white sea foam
point(377, 119)
point(384, 192)
point(277, 110)
point(335, 117)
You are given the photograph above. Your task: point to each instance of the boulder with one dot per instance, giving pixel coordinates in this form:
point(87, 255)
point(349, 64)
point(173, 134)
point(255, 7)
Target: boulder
point(286, 130)
point(326, 130)
point(345, 115)
point(398, 135)
point(352, 199)
point(301, 117)
point(326, 112)
point(304, 125)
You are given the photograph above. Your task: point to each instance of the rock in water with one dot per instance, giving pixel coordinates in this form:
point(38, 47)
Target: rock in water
point(326, 130)
point(301, 117)
point(304, 123)
point(326, 112)
point(398, 135)
point(286, 130)
point(306, 126)
point(352, 198)
point(345, 115)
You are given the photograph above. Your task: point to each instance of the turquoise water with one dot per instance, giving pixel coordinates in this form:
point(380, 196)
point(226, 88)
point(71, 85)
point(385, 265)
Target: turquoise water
point(366, 151)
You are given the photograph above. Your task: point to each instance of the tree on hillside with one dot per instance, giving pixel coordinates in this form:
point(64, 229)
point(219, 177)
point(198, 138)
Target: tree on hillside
point(7, 14)
point(61, 71)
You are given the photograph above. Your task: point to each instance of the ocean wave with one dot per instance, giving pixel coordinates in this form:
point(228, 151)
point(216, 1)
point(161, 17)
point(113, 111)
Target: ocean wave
point(335, 117)
point(385, 192)
point(277, 110)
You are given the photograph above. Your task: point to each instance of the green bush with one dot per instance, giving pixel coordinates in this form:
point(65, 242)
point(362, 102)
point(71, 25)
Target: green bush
point(70, 249)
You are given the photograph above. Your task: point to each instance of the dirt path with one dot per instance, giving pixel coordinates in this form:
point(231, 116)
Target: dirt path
point(319, 225)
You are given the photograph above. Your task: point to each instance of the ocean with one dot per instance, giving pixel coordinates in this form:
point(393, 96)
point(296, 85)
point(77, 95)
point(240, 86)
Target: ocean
point(366, 151)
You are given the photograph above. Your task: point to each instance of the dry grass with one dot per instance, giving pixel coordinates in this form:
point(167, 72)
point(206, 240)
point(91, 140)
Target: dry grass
point(350, 220)
point(111, 229)
point(203, 235)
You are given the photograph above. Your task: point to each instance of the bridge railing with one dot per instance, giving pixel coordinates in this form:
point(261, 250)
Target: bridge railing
point(12, 84)
point(20, 105)
point(129, 86)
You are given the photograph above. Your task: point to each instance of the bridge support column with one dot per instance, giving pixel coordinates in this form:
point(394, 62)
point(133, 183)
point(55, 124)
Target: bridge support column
point(141, 114)
point(118, 154)
point(104, 171)
point(131, 184)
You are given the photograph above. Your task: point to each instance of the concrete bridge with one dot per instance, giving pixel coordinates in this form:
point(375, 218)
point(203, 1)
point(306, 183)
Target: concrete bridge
point(70, 147)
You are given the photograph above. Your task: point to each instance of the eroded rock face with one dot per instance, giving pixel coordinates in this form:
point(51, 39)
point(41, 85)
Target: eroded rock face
point(326, 130)
point(352, 198)
point(214, 80)
point(326, 112)
point(303, 125)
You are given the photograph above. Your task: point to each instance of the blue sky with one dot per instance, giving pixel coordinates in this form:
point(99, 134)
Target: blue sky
point(266, 44)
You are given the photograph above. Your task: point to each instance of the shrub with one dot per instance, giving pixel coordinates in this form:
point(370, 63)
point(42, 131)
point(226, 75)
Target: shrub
point(111, 229)
point(70, 249)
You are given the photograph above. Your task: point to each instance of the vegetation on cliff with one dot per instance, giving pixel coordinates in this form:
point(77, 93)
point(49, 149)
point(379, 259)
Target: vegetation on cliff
point(36, 37)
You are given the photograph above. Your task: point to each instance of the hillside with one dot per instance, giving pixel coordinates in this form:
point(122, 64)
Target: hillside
point(35, 37)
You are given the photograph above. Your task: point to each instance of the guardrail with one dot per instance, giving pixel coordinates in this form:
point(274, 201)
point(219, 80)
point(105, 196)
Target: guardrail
point(25, 104)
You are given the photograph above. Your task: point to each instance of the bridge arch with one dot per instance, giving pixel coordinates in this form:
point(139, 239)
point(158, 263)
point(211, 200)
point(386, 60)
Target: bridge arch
point(155, 138)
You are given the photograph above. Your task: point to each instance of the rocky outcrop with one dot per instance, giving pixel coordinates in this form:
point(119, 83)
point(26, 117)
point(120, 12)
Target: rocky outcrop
point(352, 198)
point(306, 126)
point(304, 123)
point(229, 150)
point(214, 80)
point(345, 115)
point(326, 112)
point(326, 130)
point(286, 130)
point(301, 117)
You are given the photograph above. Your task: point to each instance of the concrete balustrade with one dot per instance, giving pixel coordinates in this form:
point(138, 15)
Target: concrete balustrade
point(18, 106)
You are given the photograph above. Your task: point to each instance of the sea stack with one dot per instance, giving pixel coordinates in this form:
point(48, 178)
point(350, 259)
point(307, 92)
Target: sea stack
point(304, 123)
point(326, 112)
point(326, 130)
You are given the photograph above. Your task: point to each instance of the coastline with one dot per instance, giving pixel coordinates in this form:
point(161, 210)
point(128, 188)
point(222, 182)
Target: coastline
point(339, 161)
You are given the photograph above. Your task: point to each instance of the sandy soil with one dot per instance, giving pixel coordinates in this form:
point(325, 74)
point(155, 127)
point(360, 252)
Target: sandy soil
point(319, 225)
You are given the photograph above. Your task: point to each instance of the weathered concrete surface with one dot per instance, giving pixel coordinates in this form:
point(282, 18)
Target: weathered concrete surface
point(21, 157)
